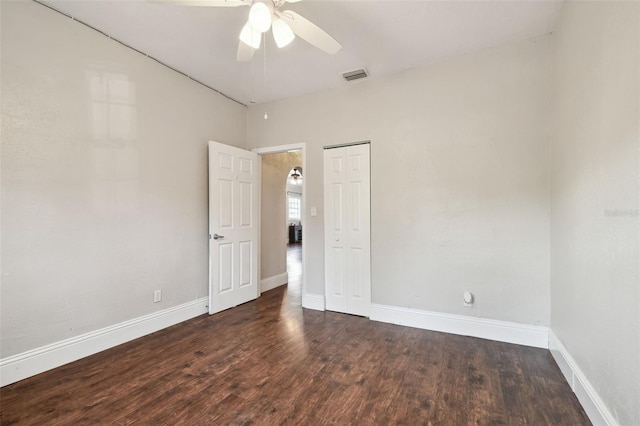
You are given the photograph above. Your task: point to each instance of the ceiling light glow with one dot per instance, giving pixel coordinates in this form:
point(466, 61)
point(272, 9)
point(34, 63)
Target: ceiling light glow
point(250, 36)
point(260, 17)
point(282, 33)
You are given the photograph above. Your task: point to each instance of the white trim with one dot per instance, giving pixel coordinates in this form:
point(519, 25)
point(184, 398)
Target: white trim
point(502, 331)
point(593, 405)
point(313, 301)
point(279, 148)
point(44, 358)
point(273, 282)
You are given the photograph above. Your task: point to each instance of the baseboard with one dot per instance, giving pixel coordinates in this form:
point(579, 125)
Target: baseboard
point(593, 405)
point(521, 334)
point(39, 360)
point(313, 301)
point(273, 282)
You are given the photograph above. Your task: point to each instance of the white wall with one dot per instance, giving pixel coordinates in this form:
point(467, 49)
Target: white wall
point(104, 179)
point(459, 179)
point(595, 224)
point(274, 232)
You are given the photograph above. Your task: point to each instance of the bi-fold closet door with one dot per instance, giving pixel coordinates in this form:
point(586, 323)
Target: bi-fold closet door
point(347, 242)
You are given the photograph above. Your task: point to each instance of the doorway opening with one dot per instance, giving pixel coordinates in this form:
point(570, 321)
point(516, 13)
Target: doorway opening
point(282, 212)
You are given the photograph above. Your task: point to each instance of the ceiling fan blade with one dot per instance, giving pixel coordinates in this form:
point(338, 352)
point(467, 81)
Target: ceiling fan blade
point(310, 32)
point(279, 3)
point(245, 52)
point(210, 3)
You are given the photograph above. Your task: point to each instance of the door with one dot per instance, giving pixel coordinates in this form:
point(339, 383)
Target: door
point(347, 229)
point(233, 226)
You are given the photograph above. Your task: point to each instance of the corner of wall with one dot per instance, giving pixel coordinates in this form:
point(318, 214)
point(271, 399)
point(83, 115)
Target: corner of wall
point(593, 405)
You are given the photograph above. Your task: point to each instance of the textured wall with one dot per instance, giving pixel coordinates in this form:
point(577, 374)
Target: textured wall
point(595, 187)
point(459, 172)
point(104, 179)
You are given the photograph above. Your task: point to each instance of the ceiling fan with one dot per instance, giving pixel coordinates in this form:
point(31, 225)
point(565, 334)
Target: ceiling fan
point(265, 15)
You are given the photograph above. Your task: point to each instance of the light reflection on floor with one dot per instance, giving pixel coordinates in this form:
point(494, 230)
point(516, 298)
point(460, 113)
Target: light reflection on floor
point(291, 314)
point(294, 270)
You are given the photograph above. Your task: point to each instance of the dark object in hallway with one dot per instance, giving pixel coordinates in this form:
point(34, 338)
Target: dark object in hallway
point(270, 362)
point(295, 234)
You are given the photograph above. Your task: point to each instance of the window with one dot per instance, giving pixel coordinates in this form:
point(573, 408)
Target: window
point(294, 204)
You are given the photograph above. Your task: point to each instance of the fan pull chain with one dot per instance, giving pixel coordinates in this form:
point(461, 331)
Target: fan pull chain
point(253, 82)
point(264, 73)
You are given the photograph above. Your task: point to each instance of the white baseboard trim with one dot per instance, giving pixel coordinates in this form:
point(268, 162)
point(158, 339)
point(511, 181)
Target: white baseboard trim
point(502, 331)
point(313, 301)
point(593, 405)
point(273, 282)
point(39, 360)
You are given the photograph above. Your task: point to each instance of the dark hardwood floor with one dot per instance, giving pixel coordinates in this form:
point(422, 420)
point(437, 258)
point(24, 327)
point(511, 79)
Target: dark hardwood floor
point(271, 362)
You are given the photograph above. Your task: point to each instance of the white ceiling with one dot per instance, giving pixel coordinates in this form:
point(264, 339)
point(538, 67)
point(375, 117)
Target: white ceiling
point(386, 37)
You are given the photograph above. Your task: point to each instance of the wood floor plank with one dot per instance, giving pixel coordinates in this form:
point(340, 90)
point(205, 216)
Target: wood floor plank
point(451, 396)
point(546, 378)
point(486, 404)
point(271, 362)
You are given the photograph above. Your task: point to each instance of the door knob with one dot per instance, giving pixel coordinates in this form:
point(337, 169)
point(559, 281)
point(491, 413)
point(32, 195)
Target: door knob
point(218, 237)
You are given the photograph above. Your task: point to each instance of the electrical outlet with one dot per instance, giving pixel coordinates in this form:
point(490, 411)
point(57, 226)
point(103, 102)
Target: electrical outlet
point(157, 296)
point(467, 299)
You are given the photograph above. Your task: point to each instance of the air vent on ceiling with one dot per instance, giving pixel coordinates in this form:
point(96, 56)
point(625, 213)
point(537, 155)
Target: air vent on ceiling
point(355, 75)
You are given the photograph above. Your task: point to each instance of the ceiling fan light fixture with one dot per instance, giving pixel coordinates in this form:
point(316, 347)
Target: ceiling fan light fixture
point(250, 36)
point(282, 33)
point(260, 17)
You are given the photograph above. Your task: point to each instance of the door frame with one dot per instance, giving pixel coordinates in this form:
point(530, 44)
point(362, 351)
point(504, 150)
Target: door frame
point(275, 150)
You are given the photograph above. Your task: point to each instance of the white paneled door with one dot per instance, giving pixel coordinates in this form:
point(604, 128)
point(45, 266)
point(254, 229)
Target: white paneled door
point(347, 233)
point(233, 226)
